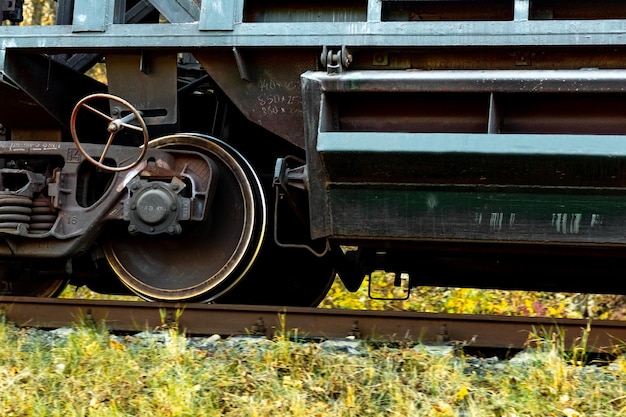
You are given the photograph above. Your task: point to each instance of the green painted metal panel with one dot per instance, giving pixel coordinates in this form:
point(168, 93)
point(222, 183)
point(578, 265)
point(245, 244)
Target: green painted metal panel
point(486, 214)
point(465, 143)
point(217, 15)
point(92, 15)
point(303, 34)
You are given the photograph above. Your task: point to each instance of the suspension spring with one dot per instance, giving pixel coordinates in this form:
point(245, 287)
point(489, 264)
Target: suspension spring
point(43, 216)
point(15, 212)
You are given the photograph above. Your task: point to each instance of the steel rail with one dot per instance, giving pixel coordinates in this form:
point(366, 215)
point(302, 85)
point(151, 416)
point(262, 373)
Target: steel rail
point(229, 320)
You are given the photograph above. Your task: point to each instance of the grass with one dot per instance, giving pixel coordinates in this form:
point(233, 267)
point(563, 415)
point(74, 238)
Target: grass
point(92, 373)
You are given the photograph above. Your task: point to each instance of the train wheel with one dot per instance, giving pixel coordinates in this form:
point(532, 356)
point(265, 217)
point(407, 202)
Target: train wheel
point(36, 287)
point(284, 276)
point(210, 257)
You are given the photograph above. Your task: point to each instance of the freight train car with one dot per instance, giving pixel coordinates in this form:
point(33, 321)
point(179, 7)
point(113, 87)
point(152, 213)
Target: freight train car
point(247, 151)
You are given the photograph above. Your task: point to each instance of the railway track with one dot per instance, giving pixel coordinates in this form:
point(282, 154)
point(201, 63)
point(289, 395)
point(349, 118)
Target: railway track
point(488, 332)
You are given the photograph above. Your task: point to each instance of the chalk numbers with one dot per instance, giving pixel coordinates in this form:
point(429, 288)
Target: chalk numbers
point(279, 98)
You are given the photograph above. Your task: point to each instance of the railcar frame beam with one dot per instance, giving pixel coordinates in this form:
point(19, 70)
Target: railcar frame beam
point(308, 34)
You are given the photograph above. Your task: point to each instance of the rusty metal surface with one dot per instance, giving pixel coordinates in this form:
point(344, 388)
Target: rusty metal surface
point(229, 320)
point(265, 85)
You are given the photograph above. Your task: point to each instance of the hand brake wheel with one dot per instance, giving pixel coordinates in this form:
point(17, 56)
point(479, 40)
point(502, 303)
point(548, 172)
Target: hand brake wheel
point(115, 126)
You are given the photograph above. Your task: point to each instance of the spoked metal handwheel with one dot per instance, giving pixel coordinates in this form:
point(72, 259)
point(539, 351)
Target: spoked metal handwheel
point(115, 126)
point(209, 257)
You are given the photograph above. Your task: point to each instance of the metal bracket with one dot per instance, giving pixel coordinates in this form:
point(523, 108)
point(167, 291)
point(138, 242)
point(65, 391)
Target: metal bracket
point(93, 15)
point(297, 178)
point(12, 10)
point(400, 281)
point(148, 81)
point(335, 61)
point(285, 176)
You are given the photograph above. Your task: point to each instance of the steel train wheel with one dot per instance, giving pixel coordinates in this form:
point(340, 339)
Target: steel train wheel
point(209, 257)
point(303, 281)
point(285, 276)
point(40, 287)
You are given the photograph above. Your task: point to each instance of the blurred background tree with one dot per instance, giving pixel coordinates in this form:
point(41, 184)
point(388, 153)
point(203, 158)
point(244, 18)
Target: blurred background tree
point(38, 12)
point(43, 12)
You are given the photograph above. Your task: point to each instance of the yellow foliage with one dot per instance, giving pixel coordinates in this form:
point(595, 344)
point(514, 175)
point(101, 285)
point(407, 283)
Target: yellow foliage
point(39, 12)
point(463, 300)
point(461, 393)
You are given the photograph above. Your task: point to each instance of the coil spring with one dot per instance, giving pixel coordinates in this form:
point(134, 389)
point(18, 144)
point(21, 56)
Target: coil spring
point(43, 216)
point(15, 212)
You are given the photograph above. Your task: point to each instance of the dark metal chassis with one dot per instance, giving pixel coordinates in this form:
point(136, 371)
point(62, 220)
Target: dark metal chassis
point(78, 225)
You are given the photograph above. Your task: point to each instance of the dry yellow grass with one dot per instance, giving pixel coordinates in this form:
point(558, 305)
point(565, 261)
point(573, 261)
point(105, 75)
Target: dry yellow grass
point(90, 373)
